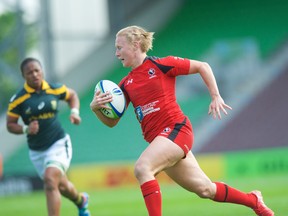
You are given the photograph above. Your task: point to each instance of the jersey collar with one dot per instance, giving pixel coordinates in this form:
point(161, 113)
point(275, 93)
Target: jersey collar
point(45, 86)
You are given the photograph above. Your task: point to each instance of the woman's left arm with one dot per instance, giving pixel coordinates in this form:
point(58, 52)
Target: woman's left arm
point(74, 104)
point(217, 104)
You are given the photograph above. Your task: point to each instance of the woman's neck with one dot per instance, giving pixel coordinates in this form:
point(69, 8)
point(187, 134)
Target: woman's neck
point(139, 60)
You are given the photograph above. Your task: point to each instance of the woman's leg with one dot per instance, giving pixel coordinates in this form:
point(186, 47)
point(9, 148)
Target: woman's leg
point(57, 184)
point(159, 155)
point(188, 174)
point(51, 180)
point(68, 190)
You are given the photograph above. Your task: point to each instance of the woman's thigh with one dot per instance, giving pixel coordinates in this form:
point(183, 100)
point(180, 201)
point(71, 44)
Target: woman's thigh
point(160, 154)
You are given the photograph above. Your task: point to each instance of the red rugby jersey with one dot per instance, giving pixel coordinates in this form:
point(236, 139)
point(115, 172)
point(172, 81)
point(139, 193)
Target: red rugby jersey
point(151, 89)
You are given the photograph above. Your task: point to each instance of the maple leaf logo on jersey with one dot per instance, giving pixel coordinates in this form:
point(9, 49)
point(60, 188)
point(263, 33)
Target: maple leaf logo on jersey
point(151, 73)
point(166, 131)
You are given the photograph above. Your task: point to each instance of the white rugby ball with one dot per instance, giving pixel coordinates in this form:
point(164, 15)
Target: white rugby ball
point(118, 105)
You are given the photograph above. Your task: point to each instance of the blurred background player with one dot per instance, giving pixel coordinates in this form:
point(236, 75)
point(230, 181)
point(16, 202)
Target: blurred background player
point(50, 148)
point(150, 87)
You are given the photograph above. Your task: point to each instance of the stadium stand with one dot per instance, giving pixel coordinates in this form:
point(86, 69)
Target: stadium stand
point(194, 29)
point(260, 124)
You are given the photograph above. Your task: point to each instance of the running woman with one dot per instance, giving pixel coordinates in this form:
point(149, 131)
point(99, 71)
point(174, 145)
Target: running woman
point(150, 87)
point(50, 148)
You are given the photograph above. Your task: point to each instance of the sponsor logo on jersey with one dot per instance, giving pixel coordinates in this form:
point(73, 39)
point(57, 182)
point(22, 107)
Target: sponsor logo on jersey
point(12, 98)
point(41, 105)
point(139, 113)
point(54, 104)
point(130, 81)
point(28, 111)
point(142, 111)
point(43, 116)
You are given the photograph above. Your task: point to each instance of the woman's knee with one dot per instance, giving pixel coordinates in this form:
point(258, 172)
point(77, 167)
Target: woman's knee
point(139, 169)
point(142, 170)
point(205, 191)
point(50, 183)
point(51, 179)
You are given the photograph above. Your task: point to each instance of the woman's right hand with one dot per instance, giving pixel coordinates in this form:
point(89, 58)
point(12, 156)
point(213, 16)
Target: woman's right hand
point(100, 100)
point(33, 127)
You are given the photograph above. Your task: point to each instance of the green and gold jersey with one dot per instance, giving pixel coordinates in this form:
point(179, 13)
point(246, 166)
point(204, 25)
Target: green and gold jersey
point(43, 107)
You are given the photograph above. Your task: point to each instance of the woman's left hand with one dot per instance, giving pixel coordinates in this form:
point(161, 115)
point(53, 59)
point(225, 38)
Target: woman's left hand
point(216, 106)
point(75, 119)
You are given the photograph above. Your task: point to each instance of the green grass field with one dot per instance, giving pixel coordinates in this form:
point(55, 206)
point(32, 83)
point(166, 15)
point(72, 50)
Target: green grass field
point(176, 201)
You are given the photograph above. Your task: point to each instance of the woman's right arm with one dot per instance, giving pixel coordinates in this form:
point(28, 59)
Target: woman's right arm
point(99, 101)
point(13, 126)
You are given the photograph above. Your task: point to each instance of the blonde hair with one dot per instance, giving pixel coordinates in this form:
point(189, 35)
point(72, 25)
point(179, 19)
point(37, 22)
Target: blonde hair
point(138, 34)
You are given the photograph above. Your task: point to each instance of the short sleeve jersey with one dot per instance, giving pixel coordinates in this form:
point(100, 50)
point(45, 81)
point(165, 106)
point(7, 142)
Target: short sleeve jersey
point(43, 107)
point(151, 89)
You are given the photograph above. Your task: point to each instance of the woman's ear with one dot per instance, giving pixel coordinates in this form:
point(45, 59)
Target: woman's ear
point(135, 45)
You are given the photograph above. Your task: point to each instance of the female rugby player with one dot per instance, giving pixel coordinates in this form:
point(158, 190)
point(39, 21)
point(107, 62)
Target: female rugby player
point(150, 87)
point(50, 148)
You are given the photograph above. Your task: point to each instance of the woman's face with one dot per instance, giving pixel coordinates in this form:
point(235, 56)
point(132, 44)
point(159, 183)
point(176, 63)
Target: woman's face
point(125, 51)
point(33, 74)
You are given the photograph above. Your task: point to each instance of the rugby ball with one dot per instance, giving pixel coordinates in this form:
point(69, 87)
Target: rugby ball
point(118, 105)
